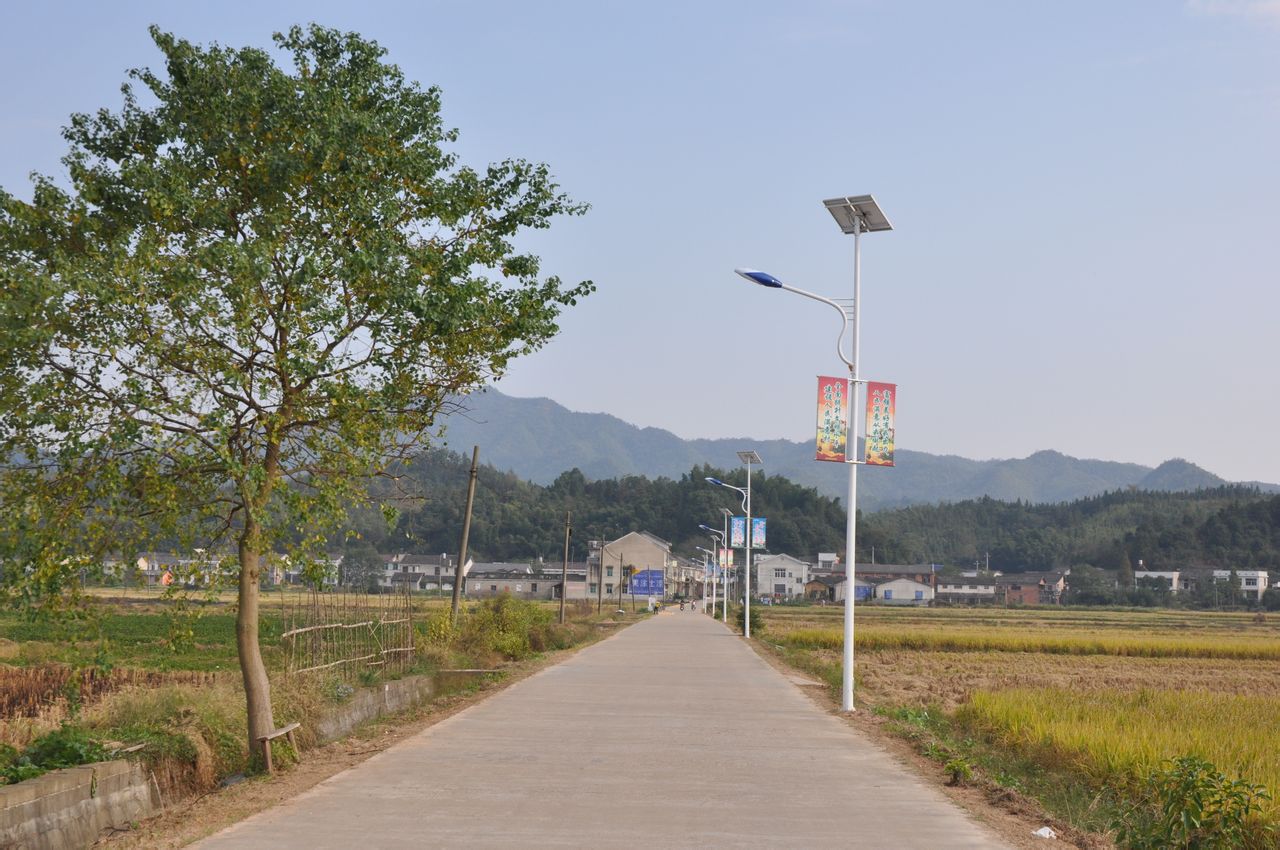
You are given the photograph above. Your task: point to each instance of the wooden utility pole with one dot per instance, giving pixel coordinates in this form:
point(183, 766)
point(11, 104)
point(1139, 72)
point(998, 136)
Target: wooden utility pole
point(564, 571)
point(458, 577)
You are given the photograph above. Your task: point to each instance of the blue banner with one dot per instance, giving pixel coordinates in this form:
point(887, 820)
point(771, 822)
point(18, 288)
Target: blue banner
point(738, 531)
point(647, 582)
point(757, 532)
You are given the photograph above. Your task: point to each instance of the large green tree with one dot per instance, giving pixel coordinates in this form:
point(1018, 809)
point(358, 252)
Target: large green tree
point(258, 284)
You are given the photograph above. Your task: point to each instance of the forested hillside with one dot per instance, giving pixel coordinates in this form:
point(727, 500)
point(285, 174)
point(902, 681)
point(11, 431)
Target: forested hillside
point(1227, 526)
point(514, 519)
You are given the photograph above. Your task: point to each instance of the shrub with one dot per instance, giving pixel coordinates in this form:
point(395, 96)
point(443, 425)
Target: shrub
point(503, 625)
point(68, 746)
point(959, 771)
point(1188, 803)
point(757, 621)
point(439, 629)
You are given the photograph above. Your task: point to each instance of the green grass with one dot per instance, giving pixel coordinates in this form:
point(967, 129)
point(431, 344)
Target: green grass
point(148, 640)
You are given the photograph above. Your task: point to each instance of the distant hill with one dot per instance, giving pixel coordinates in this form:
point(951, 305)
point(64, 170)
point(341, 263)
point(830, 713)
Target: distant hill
point(1179, 475)
point(537, 439)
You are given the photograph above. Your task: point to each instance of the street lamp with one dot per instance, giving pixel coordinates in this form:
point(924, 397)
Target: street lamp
point(749, 458)
point(709, 573)
point(857, 215)
point(724, 597)
point(717, 570)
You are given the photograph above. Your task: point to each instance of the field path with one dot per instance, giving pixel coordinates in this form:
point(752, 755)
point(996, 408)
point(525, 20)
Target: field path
point(672, 733)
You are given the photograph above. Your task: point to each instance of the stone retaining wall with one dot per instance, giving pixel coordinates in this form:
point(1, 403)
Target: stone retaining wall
point(367, 703)
point(69, 808)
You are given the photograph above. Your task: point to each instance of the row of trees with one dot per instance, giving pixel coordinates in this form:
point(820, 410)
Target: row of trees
point(1090, 586)
point(1226, 527)
point(513, 519)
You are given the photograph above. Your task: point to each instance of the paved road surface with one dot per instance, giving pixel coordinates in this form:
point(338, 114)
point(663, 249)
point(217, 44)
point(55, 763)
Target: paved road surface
point(672, 733)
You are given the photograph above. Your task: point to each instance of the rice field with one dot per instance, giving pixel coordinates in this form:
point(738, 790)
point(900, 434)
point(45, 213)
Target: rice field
point(1116, 737)
point(1082, 643)
point(1103, 695)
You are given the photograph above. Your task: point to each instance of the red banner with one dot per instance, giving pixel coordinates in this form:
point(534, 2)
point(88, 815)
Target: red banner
point(833, 418)
point(882, 401)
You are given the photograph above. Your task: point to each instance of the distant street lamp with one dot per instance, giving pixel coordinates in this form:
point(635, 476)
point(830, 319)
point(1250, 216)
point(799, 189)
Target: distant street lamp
point(728, 576)
point(708, 571)
point(749, 458)
point(717, 570)
point(856, 215)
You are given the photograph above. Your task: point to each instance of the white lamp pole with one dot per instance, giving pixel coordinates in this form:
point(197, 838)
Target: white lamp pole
point(728, 576)
point(855, 215)
point(749, 458)
point(718, 541)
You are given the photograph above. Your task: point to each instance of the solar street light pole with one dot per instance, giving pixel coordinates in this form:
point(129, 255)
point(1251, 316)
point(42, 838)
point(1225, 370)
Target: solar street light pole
point(855, 215)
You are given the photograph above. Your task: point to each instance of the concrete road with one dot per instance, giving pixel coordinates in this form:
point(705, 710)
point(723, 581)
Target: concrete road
point(672, 733)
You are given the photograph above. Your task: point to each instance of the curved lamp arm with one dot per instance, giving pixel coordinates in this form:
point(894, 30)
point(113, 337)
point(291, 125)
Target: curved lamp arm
point(743, 493)
point(768, 280)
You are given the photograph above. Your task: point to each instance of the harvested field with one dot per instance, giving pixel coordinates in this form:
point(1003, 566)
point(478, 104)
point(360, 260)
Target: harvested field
point(30, 691)
point(1103, 696)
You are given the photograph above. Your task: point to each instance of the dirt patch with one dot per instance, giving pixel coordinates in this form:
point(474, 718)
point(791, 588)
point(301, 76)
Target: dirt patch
point(189, 820)
point(1010, 815)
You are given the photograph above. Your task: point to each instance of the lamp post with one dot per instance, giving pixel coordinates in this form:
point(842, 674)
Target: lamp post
point(855, 215)
point(708, 570)
point(747, 457)
point(725, 513)
point(717, 571)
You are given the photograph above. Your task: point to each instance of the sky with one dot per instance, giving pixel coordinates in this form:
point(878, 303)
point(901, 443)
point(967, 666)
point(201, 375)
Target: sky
point(1086, 239)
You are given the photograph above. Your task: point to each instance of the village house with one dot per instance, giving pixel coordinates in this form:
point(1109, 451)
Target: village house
point(879, 573)
point(1175, 580)
point(1252, 582)
point(1031, 588)
point(967, 590)
point(904, 591)
point(632, 553)
point(780, 576)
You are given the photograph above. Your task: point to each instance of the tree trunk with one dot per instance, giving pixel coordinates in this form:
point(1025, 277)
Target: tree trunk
point(257, 688)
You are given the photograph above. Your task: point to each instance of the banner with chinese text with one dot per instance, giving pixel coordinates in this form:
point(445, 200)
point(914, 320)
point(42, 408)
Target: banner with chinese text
point(726, 558)
point(833, 418)
point(738, 531)
point(882, 400)
point(757, 532)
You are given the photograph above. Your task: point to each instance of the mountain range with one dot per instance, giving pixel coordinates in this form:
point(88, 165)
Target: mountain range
point(538, 439)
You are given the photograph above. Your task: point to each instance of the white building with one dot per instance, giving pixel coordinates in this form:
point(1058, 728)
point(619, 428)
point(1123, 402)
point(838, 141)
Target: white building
point(904, 591)
point(1177, 581)
point(967, 590)
point(780, 576)
point(1252, 582)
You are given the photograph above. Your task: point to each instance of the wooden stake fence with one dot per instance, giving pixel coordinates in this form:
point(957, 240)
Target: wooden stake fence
point(348, 632)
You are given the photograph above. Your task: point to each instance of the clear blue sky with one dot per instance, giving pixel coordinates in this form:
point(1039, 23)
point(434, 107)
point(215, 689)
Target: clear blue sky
point(1087, 239)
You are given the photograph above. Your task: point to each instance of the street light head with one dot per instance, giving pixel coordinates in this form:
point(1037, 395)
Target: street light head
point(716, 481)
point(707, 527)
point(858, 209)
point(762, 278)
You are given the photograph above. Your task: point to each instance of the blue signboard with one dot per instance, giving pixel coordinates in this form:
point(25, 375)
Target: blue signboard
point(647, 582)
